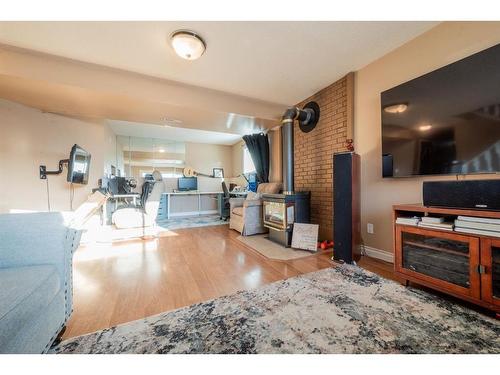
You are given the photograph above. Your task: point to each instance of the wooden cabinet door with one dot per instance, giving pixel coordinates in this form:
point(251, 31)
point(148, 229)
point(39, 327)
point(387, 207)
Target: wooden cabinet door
point(447, 260)
point(490, 277)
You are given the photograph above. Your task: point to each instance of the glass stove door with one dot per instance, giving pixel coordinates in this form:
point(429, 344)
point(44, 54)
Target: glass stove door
point(274, 214)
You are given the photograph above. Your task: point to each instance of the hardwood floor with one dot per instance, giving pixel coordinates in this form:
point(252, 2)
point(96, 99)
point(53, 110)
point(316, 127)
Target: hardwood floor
point(124, 281)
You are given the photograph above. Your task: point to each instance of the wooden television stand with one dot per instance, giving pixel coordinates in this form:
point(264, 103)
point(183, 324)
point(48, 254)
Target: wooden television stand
point(464, 265)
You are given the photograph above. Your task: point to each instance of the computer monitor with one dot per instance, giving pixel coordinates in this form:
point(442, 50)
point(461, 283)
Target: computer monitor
point(187, 183)
point(118, 185)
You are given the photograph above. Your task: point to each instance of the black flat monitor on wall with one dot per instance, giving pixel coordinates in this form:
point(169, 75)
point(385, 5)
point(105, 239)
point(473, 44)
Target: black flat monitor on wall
point(187, 183)
point(78, 166)
point(446, 121)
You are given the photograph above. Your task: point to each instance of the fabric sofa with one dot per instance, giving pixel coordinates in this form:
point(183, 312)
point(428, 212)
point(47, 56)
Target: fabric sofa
point(247, 214)
point(36, 251)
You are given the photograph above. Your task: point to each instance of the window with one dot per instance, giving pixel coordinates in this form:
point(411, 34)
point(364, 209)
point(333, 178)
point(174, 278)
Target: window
point(248, 166)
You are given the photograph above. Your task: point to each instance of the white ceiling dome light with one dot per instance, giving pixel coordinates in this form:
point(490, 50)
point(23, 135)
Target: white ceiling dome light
point(187, 44)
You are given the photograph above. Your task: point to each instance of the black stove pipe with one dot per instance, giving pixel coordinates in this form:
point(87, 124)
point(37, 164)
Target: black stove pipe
point(308, 118)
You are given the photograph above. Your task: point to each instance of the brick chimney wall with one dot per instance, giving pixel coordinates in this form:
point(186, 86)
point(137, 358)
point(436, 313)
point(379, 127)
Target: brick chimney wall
point(313, 152)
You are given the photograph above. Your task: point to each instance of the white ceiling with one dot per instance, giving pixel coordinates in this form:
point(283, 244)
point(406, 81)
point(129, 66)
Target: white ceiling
point(279, 62)
point(135, 129)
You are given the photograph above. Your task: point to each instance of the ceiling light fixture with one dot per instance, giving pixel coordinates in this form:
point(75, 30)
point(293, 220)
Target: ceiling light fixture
point(396, 108)
point(161, 150)
point(187, 44)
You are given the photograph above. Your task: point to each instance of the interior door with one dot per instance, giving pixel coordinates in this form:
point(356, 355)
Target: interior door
point(447, 260)
point(490, 276)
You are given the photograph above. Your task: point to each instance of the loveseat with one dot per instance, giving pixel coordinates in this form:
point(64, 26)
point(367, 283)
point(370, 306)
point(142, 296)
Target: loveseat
point(36, 251)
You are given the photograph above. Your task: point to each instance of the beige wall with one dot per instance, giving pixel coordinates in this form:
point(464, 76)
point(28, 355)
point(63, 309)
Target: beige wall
point(29, 138)
point(275, 156)
point(446, 43)
point(49, 82)
point(204, 157)
point(110, 150)
point(237, 158)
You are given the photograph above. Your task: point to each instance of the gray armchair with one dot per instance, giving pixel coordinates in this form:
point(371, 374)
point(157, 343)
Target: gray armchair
point(247, 215)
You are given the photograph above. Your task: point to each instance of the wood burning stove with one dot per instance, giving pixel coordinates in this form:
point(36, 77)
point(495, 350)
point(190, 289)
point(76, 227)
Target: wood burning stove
point(281, 211)
point(275, 214)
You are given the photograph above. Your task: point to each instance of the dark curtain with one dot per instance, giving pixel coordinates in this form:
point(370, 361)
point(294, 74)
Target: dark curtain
point(258, 146)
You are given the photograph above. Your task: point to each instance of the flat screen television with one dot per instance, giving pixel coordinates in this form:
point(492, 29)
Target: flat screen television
point(444, 122)
point(78, 166)
point(187, 183)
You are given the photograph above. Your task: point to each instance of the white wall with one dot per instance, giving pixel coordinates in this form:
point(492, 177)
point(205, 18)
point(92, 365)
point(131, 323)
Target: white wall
point(30, 138)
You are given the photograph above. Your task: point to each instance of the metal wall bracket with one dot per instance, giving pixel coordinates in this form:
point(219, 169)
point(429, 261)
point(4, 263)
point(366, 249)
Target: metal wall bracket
point(44, 172)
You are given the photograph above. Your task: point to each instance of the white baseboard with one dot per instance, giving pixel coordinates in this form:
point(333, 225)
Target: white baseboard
point(378, 254)
point(193, 213)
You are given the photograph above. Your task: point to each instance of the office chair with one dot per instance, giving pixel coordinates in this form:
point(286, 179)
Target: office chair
point(224, 205)
point(145, 215)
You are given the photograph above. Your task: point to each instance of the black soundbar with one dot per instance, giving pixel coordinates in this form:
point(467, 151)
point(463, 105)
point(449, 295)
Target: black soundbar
point(463, 194)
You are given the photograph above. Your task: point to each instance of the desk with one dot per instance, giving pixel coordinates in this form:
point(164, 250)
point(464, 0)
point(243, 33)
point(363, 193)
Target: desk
point(168, 197)
point(107, 208)
point(117, 197)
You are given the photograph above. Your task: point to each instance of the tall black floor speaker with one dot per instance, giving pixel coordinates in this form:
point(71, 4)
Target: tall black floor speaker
point(346, 210)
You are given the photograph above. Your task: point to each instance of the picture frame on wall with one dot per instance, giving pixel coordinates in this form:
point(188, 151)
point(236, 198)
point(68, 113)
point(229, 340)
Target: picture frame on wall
point(218, 172)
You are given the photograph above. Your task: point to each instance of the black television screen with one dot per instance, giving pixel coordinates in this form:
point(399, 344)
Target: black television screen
point(78, 165)
point(445, 122)
point(187, 183)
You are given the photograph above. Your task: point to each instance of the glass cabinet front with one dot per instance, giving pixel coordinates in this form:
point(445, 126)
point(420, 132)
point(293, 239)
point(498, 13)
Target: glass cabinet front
point(440, 258)
point(495, 271)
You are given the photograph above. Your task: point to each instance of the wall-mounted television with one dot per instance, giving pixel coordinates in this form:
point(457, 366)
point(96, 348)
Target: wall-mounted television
point(78, 165)
point(446, 121)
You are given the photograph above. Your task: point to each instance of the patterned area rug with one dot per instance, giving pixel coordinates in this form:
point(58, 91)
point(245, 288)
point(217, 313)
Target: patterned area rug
point(190, 222)
point(336, 310)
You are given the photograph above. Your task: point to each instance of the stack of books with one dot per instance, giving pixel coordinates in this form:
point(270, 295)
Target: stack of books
point(408, 220)
point(435, 223)
point(478, 225)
